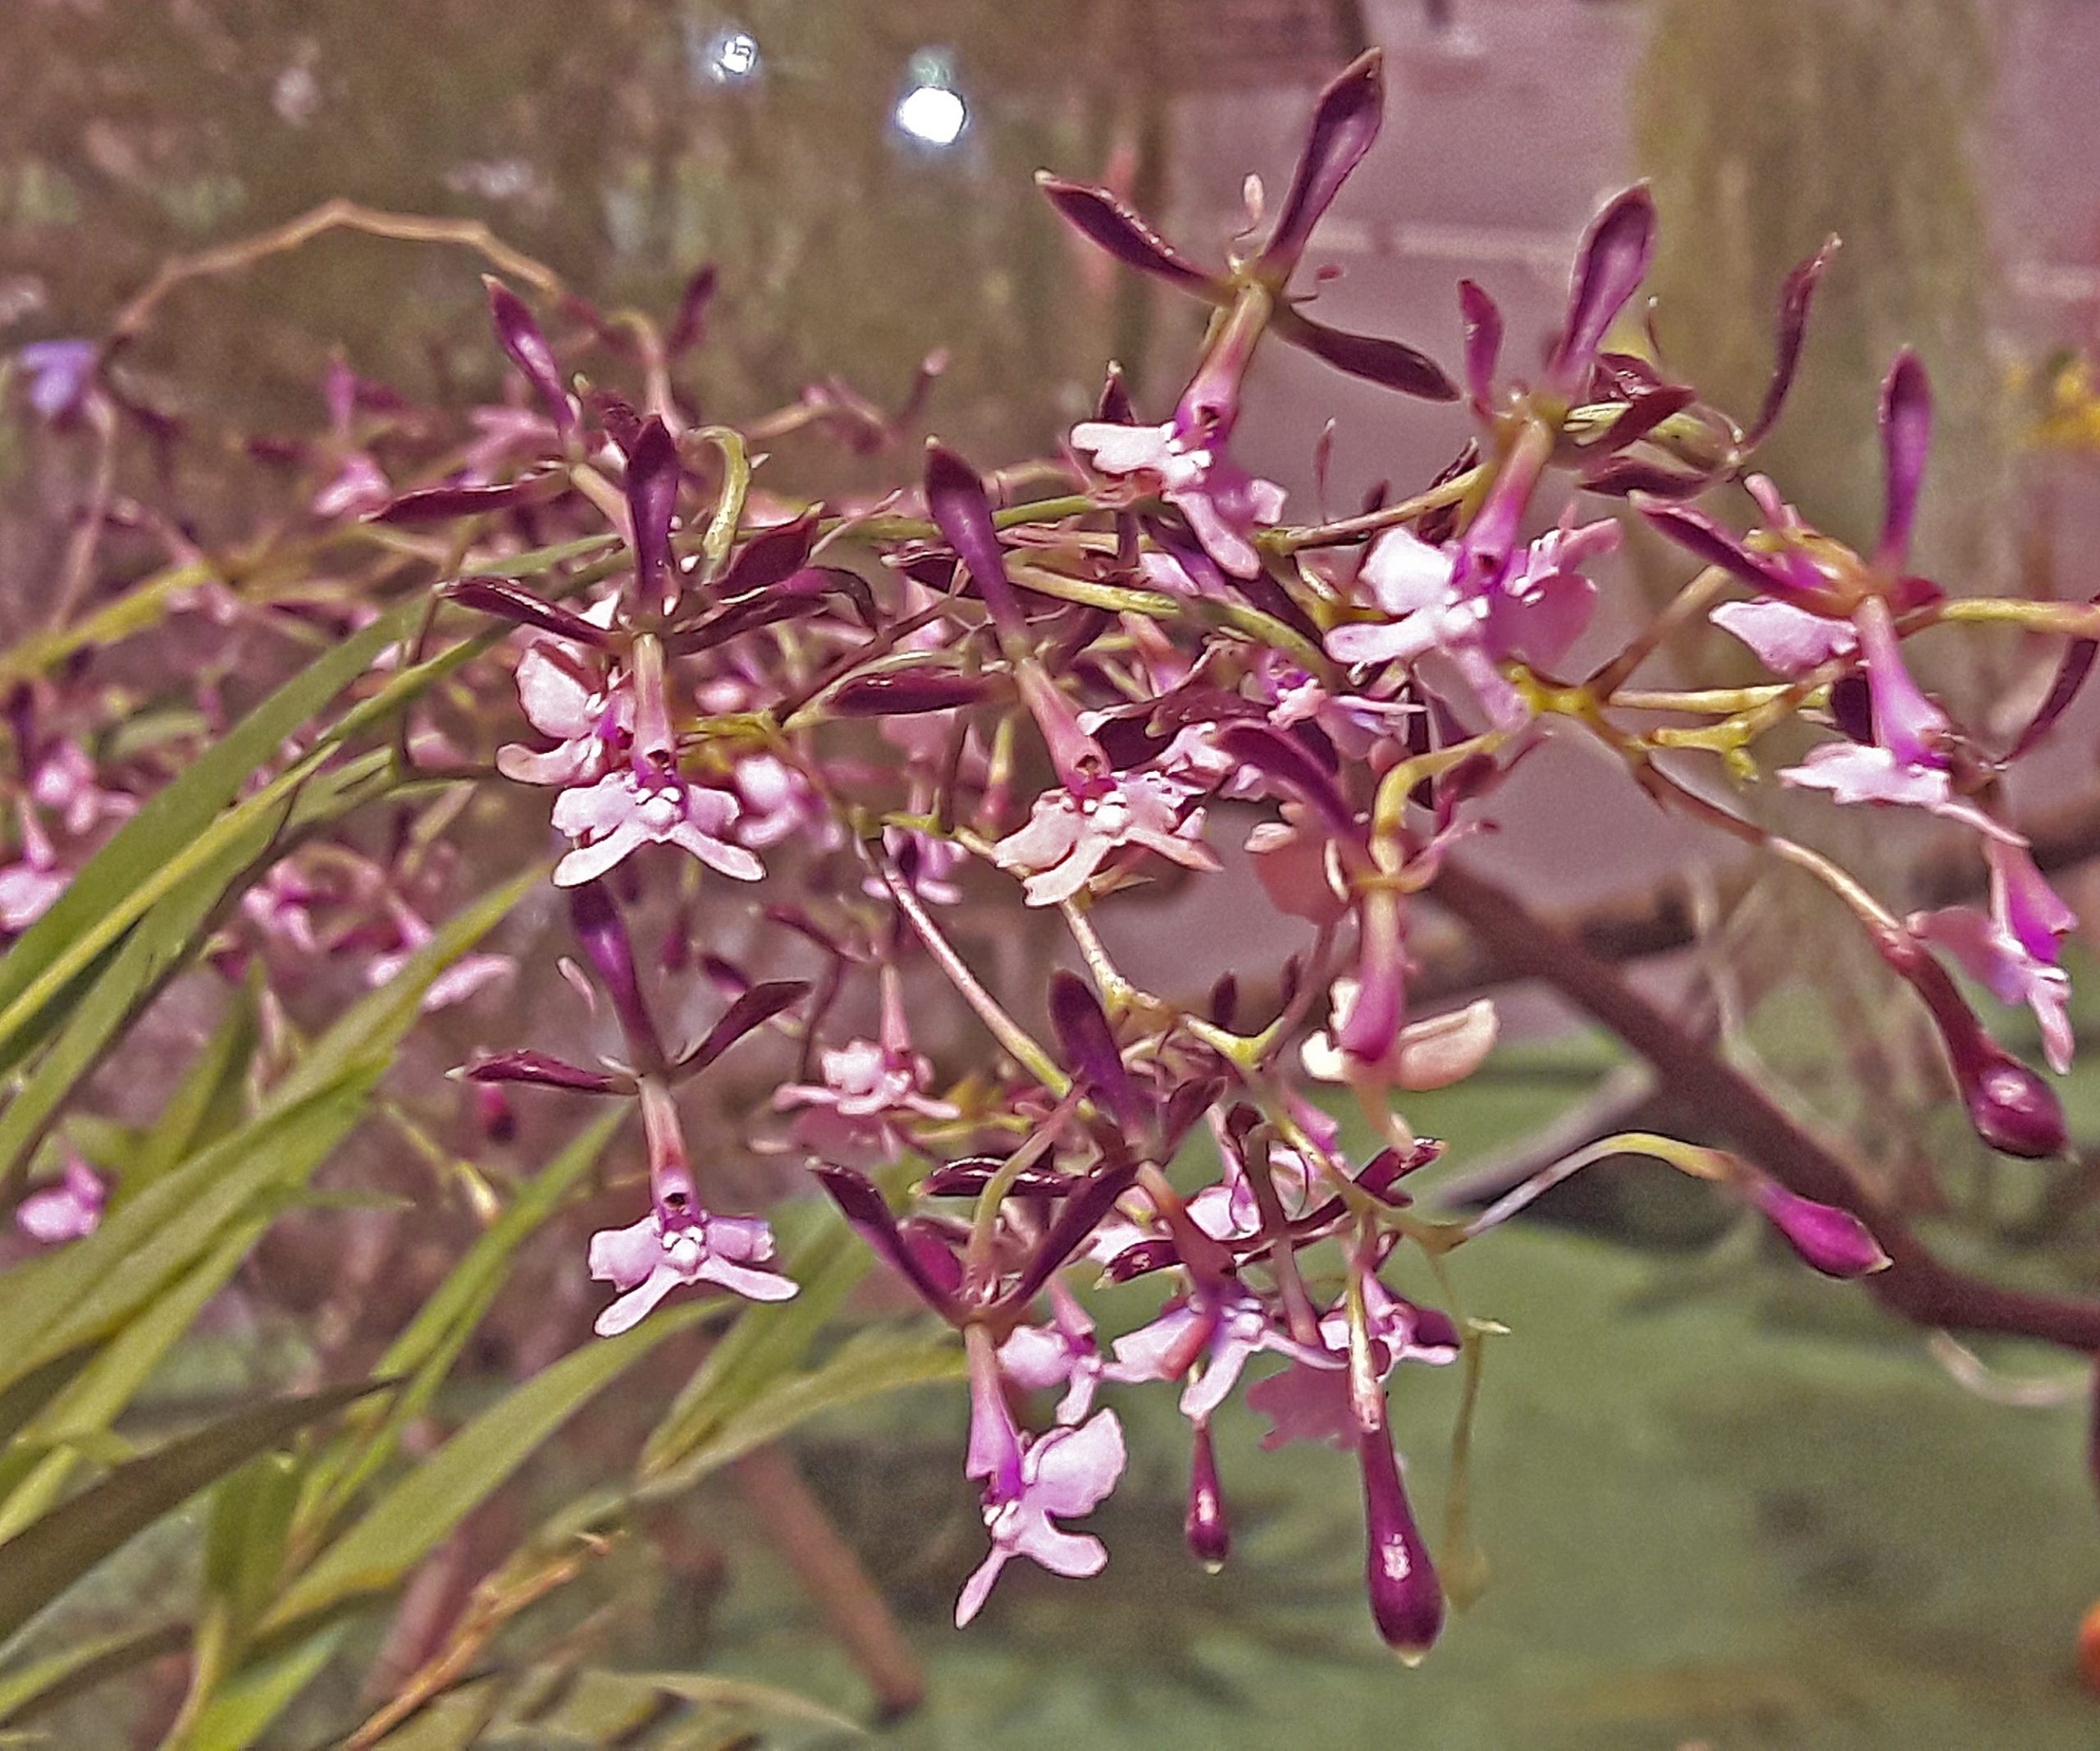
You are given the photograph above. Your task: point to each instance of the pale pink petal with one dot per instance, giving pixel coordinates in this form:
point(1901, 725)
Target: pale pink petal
point(1788, 641)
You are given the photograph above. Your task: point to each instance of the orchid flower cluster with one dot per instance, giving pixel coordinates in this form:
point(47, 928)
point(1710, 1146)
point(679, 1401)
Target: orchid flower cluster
point(864, 712)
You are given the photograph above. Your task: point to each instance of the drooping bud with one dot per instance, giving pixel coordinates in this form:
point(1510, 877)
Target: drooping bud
point(1833, 1241)
point(1207, 1526)
point(1407, 1599)
point(2010, 1107)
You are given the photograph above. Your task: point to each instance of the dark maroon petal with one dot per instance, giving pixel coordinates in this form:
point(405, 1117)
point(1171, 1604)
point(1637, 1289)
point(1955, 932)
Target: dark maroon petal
point(754, 1009)
point(518, 335)
point(1851, 706)
point(1482, 318)
point(1104, 221)
point(1140, 1260)
point(1081, 1215)
point(690, 326)
point(1345, 124)
point(1281, 759)
point(1184, 1106)
point(1646, 412)
point(1224, 1004)
point(1206, 1526)
point(603, 937)
point(2071, 672)
point(1091, 1051)
point(622, 424)
point(1407, 1600)
point(1621, 476)
point(1386, 1169)
point(969, 1176)
point(1391, 364)
point(513, 602)
point(864, 1209)
point(1609, 266)
point(771, 556)
point(1709, 542)
point(652, 499)
point(740, 618)
point(448, 504)
point(1114, 403)
point(1795, 298)
point(1906, 437)
point(546, 1072)
point(956, 496)
point(936, 1246)
point(905, 694)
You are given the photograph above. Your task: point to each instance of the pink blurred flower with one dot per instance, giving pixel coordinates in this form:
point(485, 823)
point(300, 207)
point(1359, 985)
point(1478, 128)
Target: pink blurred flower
point(65, 1211)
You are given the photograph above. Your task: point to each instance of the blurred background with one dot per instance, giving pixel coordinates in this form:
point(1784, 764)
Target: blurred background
point(1722, 1506)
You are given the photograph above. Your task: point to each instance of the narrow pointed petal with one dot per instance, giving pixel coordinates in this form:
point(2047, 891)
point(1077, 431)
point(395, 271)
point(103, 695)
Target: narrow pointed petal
point(1391, 364)
point(518, 334)
point(652, 498)
point(1105, 221)
point(545, 1071)
point(864, 1206)
point(1713, 545)
point(1082, 1213)
point(754, 1009)
point(513, 602)
point(1345, 121)
point(2072, 670)
point(1609, 267)
point(603, 937)
point(771, 556)
point(1283, 760)
point(1906, 436)
point(435, 505)
point(956, 496)
point(1482, 317)
point(1795, 298)
point(1089, 1048)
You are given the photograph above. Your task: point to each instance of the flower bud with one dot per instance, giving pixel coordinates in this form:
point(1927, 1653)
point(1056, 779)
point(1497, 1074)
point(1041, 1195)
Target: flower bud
point(1833, 1241)
point(1407, 1600)
point(1207, 1526)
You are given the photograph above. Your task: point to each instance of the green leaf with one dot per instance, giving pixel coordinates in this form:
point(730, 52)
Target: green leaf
point(422, 1509)
point(241, 1709)
point(423, 1355)
point(174, 834)
point(44, 1684)
point(92, 1402)
point(867, 1365)
point(207, 1102)
point(41, 1562)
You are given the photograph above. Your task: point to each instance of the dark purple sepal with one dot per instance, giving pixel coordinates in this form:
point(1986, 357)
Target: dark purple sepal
point(1105, 221)
point(1407, 1599)
point(518, 333)
point(432, 504)
point(1852, 707)
point(1080, 1216)
point(1644, 412)
point(1907, 438)
point(1713, 545)
point(1113, 404)
point(1795, 298)
point(652, 500)
point(1206, 1526)
point(1280, 759)
point(1391, 364)
point(1832, 1241)
point(907, 693)
point(740, 618)
point(689, 328)
point(771, 556)
point(544, 1072)
point(1091, 1052)
point(1139, 1260)
point(603, 937)
point(1609, 266)
point(1224, 1003)
point(1621, 476)
point(2072, 670)
point(870, 1216)
point(968, 1176)
point(1382, 1174)
point(1345, 121)
point(512, 601)
point(752, 1010)
point(956, 497)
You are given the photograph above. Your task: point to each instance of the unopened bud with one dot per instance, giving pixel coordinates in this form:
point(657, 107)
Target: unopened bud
point(1207, 1527)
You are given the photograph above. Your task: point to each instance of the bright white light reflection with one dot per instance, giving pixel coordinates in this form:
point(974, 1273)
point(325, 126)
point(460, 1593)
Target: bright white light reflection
point(933, 114)
point(732, 56)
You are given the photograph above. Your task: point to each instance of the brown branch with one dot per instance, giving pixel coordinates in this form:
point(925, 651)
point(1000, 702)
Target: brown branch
point(852, 1605)
point(1658, 923)
point(1519, 944)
